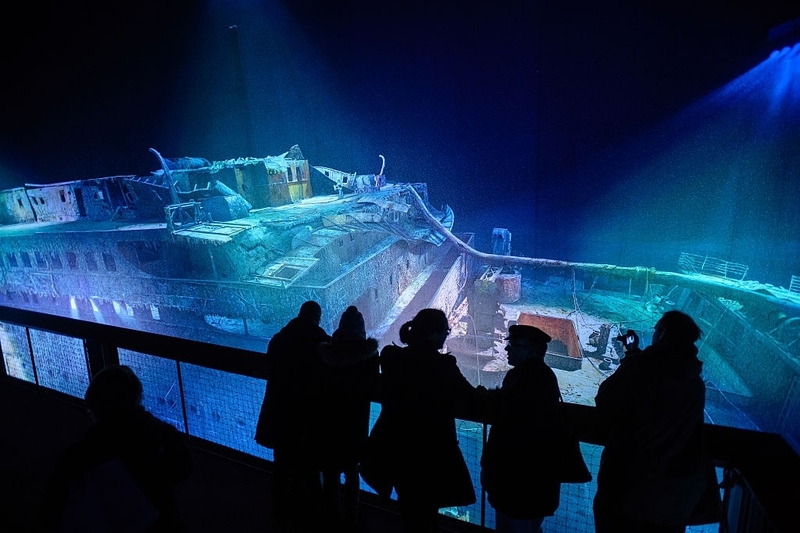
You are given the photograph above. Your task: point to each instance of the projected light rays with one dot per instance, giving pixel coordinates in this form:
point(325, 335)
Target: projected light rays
point(719, 178)
point(786, 79)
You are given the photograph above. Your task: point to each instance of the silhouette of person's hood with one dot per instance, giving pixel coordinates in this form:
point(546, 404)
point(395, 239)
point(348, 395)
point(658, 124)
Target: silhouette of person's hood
point(348, 352)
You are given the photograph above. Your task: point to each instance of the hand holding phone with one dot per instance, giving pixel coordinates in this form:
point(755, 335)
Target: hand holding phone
point(629, 340)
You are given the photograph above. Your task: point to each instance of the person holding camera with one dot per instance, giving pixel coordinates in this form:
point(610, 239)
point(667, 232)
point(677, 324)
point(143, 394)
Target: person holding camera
point(630, 345)
point(653, 467)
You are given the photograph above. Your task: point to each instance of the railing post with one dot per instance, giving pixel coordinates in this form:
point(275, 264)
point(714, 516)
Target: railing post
point(30, 354)
point(99, 355)
point(183, 399)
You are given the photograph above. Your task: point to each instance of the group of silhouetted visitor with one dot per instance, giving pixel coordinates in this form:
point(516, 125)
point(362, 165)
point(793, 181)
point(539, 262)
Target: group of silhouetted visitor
point(317, 407)
point(315, 417)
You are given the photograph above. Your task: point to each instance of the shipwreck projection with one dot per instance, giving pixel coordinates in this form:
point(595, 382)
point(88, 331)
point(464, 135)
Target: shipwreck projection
point(386, 196)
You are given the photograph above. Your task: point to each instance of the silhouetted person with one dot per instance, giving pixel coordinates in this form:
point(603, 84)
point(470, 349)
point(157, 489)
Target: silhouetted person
point(652, 471)
point(122, 472)
point(347, 385)
point(422, 392)
point(290, 366)
point(518, 467)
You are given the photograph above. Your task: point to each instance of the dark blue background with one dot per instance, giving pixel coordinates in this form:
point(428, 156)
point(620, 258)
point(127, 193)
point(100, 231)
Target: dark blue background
point(586, 128)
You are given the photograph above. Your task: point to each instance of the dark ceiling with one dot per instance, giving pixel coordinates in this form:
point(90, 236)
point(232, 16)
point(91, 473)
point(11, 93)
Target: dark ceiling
point(596, 72)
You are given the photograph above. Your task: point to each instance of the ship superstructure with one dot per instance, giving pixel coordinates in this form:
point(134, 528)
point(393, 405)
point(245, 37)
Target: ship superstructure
point(239, 244)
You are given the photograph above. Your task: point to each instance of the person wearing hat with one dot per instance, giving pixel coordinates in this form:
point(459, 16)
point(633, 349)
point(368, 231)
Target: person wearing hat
point(518, 470)
point(346, 386)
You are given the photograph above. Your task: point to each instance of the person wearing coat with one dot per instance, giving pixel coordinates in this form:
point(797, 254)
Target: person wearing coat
point(422, 391)
point(519, 466)
point(291, 364)
point(346, 387)
point(653, 467)
point(122, 473)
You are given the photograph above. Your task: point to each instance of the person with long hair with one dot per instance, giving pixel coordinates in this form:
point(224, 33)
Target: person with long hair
point(422, 392)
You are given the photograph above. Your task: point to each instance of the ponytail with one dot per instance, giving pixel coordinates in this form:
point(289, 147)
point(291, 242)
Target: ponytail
point(405, 333)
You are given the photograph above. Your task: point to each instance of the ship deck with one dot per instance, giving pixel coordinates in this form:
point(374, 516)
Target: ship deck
point(77, 226)
point(308, 210)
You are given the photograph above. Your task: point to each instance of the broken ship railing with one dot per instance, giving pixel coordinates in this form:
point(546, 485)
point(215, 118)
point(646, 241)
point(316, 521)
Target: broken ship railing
point(711, 266)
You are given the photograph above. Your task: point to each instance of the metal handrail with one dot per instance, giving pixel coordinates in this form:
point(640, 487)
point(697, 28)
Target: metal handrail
point(766, 464)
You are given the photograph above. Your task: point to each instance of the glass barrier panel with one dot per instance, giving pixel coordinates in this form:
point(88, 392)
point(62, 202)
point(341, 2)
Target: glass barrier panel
point(222, 407)
point(16, 352)
point(60, 362)
point(574, 514)
point(374, 411)
point(470, 440)
point(159, 377)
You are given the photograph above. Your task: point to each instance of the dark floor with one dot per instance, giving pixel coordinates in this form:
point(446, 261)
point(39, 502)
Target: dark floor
point(222, 495)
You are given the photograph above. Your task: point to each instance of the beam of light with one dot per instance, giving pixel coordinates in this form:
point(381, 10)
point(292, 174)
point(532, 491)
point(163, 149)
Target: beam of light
point(98, 314)
point(124, 313)
point(719, 178)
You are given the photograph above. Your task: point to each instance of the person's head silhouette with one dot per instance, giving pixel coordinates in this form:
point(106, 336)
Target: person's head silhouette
point(677, 329)
point(114, 390)
point(525, 343)
point(429, 328)
point(351, 326)
point(310, 311)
